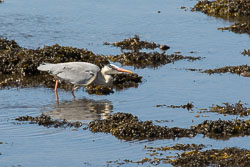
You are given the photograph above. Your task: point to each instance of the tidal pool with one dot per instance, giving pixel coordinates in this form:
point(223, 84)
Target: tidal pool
point(88, 24)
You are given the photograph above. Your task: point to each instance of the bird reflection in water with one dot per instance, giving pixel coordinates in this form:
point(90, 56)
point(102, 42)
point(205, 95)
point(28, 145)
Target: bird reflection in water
point(82, 109)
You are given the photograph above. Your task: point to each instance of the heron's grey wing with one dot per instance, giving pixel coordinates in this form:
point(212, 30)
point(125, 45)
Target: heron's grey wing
point(76, 73)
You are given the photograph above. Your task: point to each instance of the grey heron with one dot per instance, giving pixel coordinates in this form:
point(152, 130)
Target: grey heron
point(82, 74)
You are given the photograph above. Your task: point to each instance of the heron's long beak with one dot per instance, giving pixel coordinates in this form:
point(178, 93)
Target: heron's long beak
point(124, 70)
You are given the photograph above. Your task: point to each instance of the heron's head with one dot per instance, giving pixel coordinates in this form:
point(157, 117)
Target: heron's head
point(113, 69)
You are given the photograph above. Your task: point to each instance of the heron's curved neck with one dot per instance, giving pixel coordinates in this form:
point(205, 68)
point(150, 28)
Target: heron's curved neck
point(106, 78)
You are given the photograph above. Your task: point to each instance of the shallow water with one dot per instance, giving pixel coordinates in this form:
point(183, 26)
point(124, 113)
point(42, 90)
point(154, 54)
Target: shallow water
point(87, 24)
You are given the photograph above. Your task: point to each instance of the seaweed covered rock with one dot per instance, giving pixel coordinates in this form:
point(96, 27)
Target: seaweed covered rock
point(232, 69)
point(140, 59)
point(237, 9)
point(8, 44)
point(214, 157)
point(135, 44)
point(127, 127)
point(232, 109)
point(18, 65)
point(246, 52)
point(222, 8)
point(47, 121)
point(222, 129)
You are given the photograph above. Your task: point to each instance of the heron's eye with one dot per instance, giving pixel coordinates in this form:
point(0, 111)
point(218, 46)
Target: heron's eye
point(112, 67)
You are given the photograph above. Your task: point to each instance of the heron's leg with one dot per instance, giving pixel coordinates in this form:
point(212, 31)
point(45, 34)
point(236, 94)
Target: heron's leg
point(56, 90)
point(57, 98)
point(56, 86)
point(73, 89)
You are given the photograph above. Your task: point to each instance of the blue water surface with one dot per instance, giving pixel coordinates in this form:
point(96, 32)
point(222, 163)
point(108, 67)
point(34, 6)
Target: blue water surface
point(88, 24)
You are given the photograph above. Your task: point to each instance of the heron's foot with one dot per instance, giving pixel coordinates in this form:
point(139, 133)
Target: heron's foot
point(74, 97)
point(72, 92)
point(57, 101)
point(73, 89)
